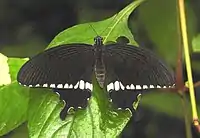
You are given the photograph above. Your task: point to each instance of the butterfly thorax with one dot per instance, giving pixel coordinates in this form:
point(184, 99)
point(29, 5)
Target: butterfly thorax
point(99, 66)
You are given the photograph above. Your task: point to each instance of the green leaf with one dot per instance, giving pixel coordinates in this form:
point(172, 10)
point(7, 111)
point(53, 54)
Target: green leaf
point(13, 98)
point(110, 29)
point(196, 43)
point(99, 119)
point(94, 121)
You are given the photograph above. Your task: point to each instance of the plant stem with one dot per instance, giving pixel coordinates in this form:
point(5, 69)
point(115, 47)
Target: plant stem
point(187, 59)
point(187, 119)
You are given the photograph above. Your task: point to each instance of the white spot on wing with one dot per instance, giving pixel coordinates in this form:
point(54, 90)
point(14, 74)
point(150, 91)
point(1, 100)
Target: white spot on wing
point(66, 85)
point(122, 86)
point(76, 86)
point(128, 87)
point(30, 85)
point(132, 87)
point(88, 86)
point(91, 87)
point(45, 85)
point(158, 86)
point(52, 86)
point(70, 86)
point(164, 86)
point(59, 86)
point(151, 86)
point(117, 87)
point(110, 87)
point(37, 85)
point(138, 87)
point(172, 86)
point(82, 84)
point(145, 87)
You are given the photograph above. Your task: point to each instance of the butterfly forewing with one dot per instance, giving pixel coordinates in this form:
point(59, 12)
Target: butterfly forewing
point(135, 65)
point(66, 64)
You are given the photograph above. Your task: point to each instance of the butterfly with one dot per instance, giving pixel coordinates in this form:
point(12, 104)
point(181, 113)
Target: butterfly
point(121, 68)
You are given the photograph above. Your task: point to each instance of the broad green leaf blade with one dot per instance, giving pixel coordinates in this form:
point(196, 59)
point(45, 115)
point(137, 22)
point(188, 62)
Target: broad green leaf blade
point(196, 43)
point(43, 116)
point(13, 97)
point(110, 29)
point(96, 120)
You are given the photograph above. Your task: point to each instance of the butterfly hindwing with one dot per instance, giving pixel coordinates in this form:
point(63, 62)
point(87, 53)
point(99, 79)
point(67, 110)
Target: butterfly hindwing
point(74, 98)
point(123, 99)
point(132, 69)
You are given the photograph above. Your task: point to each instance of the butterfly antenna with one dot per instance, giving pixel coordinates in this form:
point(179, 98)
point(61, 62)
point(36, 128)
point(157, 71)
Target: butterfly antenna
point(108, 24)
point(93, 29)
point(104, 29)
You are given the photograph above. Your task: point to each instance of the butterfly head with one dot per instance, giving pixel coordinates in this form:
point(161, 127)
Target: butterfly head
point(98, 40)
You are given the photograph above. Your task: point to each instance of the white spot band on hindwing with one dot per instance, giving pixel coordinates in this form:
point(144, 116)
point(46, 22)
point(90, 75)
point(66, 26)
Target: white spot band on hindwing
point(117, 85)
point(79, 85)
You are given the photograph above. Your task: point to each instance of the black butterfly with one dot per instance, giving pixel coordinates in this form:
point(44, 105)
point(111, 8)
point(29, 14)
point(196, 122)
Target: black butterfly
point(119, 67)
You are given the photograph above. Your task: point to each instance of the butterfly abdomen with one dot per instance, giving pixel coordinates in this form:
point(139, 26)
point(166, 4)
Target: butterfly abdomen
point(99, 67)
point(100, 72)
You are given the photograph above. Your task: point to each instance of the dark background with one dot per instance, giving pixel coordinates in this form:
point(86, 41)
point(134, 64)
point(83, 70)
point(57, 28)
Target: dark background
point(28, 26)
